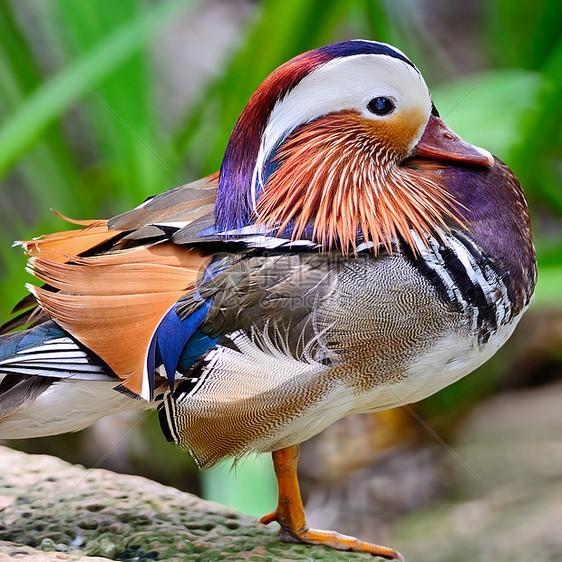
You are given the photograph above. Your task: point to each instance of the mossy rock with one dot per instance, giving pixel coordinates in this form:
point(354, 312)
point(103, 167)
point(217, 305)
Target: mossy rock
point(48, 505)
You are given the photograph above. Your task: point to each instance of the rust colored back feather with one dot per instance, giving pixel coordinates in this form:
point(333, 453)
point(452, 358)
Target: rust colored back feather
point(112, 303)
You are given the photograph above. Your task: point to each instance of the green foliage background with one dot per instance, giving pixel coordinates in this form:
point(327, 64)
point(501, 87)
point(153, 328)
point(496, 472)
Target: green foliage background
point(81, 127)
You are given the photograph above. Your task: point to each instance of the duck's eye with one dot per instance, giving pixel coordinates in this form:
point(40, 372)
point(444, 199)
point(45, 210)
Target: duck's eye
point(380, 106)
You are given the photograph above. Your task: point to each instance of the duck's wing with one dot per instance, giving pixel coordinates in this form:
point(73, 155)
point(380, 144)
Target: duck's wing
point(127, 306)
point(108, 287)
point(168, 212)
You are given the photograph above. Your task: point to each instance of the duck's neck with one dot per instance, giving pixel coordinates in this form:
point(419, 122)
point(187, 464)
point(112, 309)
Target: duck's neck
point(498, 221)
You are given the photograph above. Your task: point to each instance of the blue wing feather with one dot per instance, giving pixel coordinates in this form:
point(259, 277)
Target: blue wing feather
point(173, 339)
point(49, 351)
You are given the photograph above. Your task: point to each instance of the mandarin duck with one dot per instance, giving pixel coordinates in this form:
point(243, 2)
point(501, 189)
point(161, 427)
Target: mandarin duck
point(353, 254)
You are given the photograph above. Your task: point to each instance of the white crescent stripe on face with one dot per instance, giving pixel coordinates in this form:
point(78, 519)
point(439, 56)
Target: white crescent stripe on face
point(345, 83)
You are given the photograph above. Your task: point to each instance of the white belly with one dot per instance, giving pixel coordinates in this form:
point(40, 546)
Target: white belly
point(451, 358)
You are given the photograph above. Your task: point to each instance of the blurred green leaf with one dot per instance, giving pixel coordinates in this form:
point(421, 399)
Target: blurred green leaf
point(127, 133)
point(248, 485)
point(537, 154)
point(522, 34)
point(51, 158)
point(487, 109)
point(62, 90)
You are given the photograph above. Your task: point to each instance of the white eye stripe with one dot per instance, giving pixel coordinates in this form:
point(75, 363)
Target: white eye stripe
point(346, 83)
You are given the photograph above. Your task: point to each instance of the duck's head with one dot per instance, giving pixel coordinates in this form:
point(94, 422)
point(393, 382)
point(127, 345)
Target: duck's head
point(321, 146)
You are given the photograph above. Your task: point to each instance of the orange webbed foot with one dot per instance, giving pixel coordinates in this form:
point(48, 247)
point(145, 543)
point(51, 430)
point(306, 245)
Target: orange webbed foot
point(290, 514)
point(331, 539)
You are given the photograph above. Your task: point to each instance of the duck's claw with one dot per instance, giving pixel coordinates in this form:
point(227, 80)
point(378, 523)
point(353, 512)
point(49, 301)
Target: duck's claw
point(290, 514)
point(333, 540)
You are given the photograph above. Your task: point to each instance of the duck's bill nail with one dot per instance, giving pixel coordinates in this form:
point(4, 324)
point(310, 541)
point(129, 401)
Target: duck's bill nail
point(438, 141)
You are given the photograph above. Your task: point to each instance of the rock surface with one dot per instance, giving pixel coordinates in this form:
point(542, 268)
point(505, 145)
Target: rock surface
point(52, 510)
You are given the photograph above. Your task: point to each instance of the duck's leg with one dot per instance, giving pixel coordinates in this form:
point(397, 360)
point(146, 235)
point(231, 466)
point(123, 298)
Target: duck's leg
point(290, 512)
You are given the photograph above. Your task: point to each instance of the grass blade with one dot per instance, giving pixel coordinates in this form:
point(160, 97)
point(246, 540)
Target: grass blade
point(61, 91)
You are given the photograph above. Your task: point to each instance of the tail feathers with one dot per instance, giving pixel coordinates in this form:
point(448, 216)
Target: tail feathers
point(48, 351)
point(50, 384)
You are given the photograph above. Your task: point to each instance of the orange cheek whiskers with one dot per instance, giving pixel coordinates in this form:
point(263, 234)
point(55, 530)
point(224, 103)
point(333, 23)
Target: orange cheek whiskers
point(341, 182)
